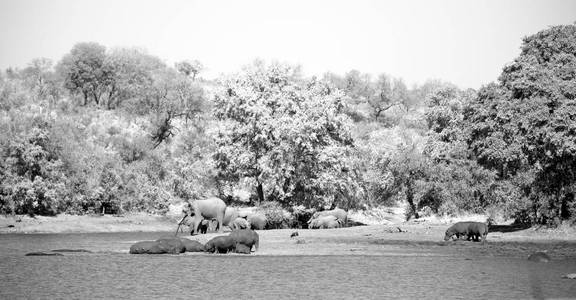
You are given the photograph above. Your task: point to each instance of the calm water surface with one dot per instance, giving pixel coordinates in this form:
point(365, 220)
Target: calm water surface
point(111, 273)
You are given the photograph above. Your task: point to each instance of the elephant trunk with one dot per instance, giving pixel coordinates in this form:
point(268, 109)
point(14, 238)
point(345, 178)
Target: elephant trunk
point(180, 224)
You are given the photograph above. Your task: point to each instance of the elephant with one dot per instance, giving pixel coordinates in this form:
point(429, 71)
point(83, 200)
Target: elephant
point(239, 223)
point(220, 244)
point(192, 246)
point(207, 209)
point(246, 237)
point(257, 221)
point(330, 224)
point(324, 222)
point(230, 215)
point(339, 213)
point(203, 226)
point(474, 230)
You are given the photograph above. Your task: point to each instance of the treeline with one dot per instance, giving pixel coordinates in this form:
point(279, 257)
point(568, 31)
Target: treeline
point(117, 130)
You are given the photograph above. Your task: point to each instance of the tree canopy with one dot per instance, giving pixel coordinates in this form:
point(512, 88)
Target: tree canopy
point(288, 134)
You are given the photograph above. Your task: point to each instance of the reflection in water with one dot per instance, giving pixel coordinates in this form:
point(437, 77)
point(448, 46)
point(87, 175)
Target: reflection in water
point(111, 273)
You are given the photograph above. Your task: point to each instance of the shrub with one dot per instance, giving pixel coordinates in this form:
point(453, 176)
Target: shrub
point(277, 217)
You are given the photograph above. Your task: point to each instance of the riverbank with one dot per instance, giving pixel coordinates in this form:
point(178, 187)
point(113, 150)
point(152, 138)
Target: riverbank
point(393, 237)
point(63, 223)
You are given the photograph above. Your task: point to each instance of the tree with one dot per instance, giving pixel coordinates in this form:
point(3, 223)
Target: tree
point(188, 68)
point(388, 92)
point(33, 179)
point(131, 73)
point(84, 72)
point(526, 123)
point(287, 134)
point(455, 182)
point(171, 96)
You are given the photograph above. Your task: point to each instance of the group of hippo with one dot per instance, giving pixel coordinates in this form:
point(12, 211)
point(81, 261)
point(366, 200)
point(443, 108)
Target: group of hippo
point(238, 241)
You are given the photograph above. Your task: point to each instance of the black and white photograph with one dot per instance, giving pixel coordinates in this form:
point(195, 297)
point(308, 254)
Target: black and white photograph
point(287, 149)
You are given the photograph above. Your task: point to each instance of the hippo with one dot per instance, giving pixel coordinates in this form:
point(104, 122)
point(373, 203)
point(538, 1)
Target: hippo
point(539, 257)
point(168, 245)
point(192, 246)
point(246, 237)
point(474, 230)
point(220, 244)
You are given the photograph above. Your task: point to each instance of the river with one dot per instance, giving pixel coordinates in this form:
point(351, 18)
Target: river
point(111, 273)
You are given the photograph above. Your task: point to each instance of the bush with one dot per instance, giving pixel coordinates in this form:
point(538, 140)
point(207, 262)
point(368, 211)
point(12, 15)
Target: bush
point(277, 217)
point(301, 216)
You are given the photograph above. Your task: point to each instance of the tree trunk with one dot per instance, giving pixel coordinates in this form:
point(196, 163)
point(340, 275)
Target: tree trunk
point(96, 99)
point(85, 97)
point(260, 191)
point(410, 198)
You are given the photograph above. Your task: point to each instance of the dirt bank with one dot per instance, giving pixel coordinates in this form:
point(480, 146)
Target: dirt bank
point(394, 238)
point(87, 224)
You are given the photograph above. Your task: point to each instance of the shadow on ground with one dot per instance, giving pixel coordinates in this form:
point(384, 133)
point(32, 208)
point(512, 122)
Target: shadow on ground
point(507, 228)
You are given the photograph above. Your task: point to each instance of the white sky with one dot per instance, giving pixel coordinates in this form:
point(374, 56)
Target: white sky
point(464, 42)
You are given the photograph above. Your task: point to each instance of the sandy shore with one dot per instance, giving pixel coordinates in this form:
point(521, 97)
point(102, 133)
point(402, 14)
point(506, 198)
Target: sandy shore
point(399, 238)
point(87, 224)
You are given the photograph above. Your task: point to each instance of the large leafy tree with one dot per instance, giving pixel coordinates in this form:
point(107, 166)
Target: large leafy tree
point(131, 73)
point(289, 135)
point(526, 124)
point(84, 71)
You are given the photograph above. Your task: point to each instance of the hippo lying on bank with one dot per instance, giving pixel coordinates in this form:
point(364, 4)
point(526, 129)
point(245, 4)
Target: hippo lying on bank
point(168, 245)
point(474, 231)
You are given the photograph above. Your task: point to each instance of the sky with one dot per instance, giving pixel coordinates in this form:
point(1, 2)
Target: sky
point(463, 42)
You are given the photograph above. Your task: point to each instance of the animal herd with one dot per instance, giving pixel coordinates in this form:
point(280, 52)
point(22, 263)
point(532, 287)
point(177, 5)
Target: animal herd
point(243, 238)
point(213, 212)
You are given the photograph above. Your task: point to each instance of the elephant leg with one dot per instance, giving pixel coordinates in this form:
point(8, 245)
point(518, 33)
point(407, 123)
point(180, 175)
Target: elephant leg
point(196, 226)
point(219, 222)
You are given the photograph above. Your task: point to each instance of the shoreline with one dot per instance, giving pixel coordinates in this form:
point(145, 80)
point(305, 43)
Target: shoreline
point(413, 238)
point(420, 229)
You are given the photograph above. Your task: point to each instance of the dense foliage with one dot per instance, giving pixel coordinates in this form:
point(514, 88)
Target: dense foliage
point(524, 127)
point(117, 130)
point(289, 135)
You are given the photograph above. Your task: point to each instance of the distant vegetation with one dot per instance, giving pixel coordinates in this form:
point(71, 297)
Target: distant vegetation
point(118, 130)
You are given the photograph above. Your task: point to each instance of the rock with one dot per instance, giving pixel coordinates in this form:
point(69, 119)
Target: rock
point(295, 233)
point(43, 254)
point(539, 257)
point(192, 246)
point(10, 226)
point(300, 241)
point(570, 276)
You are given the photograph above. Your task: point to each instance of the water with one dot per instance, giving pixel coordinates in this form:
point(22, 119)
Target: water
point(111, 273)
